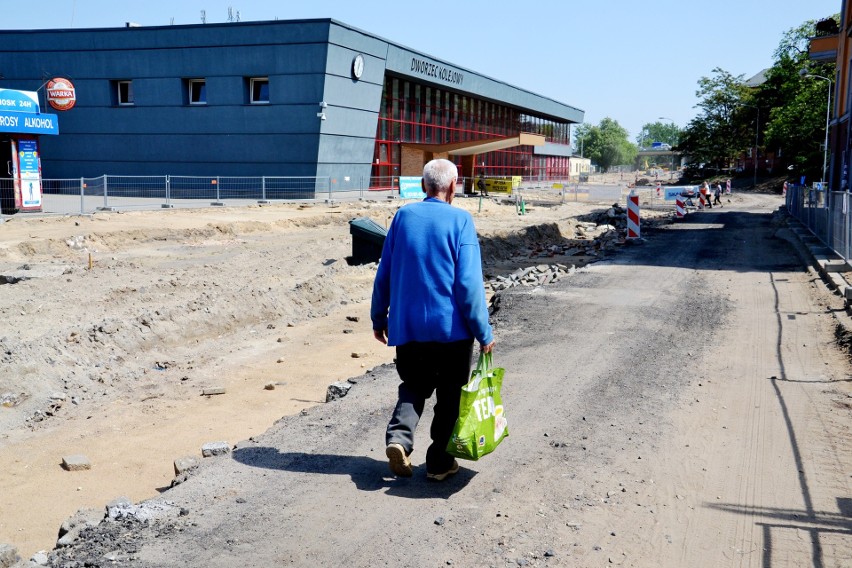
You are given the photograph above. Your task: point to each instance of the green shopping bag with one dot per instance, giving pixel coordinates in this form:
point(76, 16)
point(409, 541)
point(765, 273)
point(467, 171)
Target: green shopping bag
point(482, 424)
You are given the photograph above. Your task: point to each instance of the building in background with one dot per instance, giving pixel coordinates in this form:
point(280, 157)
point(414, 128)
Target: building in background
point(279, 98)
point(834, 44)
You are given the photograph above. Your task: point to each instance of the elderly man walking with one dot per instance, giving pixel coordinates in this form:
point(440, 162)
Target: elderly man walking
point(429, 302)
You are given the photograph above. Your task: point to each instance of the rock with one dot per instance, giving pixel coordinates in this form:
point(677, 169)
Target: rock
point(337, 390)
point(347, 331)
point(10, 399)
point(71, 527)
point(184, 464)
point(122, 508)
point(76, 462)
point(542, 268)
point(549, 553)
point(215, 449)
point(39, 558)
point(8, 555)
point(439, 521)
point(58, 396)
point(353, 318)
point(269, 386)
point(358, 355)
point(213, 391)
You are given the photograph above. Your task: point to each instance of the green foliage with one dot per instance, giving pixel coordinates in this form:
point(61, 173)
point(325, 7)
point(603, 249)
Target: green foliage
point(658, 132)
point(785, 115)
point(606, 144)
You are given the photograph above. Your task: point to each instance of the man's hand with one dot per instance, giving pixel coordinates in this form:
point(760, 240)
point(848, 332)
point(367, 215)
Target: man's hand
point(381, 335)
point(487, 348)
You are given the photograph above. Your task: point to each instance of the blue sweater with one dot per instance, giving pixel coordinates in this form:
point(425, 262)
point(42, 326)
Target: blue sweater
point(429, 283)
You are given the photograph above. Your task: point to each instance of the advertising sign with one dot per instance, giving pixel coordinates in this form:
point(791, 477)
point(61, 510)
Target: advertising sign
point(28, 123)
point(686, 191)
point(410, 188)
point(19, 101)
point(61, 94)
point(29, 174)
point(505, 185)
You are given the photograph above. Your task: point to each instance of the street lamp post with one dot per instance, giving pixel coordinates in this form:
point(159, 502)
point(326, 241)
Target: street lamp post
point(756, 134)
point(804, 73)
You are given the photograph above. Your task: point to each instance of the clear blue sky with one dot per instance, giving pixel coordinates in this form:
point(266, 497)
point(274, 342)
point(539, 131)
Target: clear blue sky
point(631, 60)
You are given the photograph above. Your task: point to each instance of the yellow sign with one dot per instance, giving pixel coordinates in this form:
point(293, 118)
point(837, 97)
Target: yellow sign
point(500, 185)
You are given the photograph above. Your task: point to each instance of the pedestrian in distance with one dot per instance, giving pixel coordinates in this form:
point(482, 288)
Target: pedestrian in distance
point(717, 194)
point(429, 302)
point(705, 194)
point(480, 185)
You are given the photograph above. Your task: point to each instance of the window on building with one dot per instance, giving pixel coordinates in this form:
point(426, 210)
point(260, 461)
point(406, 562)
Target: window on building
point(124, 92)
point(197, 91)
point(259, 90)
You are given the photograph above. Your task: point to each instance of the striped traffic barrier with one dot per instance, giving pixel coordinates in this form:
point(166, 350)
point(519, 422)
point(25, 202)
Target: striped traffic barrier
point(633, 215)
point(680, 208)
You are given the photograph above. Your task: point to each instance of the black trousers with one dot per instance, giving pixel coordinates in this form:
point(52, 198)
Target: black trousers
point(424, 368)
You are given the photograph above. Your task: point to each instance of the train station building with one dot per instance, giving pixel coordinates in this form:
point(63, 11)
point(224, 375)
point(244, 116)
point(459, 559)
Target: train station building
point(278, 98)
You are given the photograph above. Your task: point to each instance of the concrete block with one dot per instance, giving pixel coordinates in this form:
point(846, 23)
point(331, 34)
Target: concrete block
point(215, 449)
point(212, 391)
point(336, 391)
point(185, 464)
point(76, 462)
point(837, 266)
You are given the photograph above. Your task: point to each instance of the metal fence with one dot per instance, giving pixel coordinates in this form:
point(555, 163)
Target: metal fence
point(115, 192)
point(826, 214)
point(110, 192)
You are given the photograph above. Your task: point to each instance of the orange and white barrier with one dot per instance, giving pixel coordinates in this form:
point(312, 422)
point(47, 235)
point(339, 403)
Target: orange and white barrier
point(659, 190)
point(784, 190)
point(680, 208)
point(633, 215)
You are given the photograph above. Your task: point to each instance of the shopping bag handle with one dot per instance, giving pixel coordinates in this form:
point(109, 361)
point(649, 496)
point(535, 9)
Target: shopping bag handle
point(484, 363)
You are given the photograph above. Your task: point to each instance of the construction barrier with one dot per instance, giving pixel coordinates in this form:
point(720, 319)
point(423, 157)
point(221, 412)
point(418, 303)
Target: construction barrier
point(680, 208)
point(633, 215)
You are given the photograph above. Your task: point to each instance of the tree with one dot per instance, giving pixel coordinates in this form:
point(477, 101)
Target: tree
point(719, 132)
point(784, 115)
point(606, 144)
point(795, 126)
point(658, 132)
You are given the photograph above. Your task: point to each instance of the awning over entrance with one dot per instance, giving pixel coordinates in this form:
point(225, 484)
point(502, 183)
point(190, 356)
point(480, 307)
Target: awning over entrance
point(475, 147)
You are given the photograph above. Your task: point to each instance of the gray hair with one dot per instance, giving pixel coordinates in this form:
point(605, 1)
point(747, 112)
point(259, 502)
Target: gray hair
point(438, 175)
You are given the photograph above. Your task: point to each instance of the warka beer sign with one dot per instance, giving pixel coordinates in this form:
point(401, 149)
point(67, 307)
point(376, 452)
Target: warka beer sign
point(61, 94)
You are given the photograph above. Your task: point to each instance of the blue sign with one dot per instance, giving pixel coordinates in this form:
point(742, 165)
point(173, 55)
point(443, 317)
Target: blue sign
point(19, 101)
point(411, 188)
point(28, 157)
point(673, 192)
point(28, 123)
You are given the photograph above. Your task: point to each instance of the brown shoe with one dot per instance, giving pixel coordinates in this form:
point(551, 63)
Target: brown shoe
point(442, 476)
point(398, 462)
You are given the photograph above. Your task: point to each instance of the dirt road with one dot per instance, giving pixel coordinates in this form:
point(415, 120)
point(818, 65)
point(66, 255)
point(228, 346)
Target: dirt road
point(681, 404)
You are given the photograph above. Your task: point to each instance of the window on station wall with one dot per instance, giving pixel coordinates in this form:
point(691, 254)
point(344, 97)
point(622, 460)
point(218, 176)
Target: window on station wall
point(196, 91)
point(123, 93)
point(258, 90)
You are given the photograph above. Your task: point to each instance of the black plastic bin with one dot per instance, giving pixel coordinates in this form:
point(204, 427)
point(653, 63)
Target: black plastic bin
point(368, 238)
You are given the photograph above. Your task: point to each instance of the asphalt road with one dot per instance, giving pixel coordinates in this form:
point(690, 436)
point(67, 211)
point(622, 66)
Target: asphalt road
point(667, 407)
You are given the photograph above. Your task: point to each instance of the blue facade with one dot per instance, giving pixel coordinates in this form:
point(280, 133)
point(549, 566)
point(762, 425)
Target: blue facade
point(306, 63)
